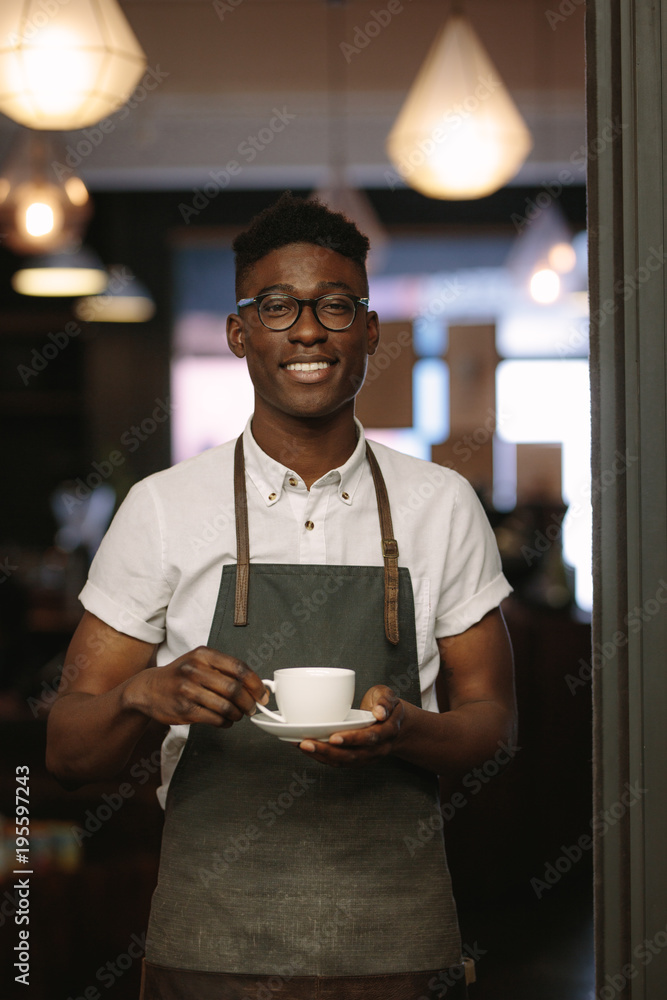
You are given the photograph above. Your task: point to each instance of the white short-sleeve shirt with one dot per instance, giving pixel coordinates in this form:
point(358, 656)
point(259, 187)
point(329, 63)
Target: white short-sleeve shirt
point(157, 572)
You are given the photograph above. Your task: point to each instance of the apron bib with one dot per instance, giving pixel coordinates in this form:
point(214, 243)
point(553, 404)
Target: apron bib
point(271, 861)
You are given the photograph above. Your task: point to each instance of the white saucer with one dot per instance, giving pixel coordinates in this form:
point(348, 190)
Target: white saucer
point(294, 733)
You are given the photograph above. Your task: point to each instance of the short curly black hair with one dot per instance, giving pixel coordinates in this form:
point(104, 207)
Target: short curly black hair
point(297, 220)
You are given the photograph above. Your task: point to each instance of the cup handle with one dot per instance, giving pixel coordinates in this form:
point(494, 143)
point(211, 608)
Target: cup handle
point(272, 715)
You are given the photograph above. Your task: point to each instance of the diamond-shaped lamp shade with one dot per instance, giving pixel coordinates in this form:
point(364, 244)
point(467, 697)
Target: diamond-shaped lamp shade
point(65, 65)
point(459, 134)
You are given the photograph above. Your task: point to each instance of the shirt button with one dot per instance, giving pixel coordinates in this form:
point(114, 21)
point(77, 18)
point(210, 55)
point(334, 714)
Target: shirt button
point(309, 525)
point(293, 482)
point(272, 496)
point(345, 496)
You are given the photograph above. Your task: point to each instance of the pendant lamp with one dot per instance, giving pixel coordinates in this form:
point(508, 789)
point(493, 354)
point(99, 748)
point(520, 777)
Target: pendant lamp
point(39, 212)
point(72, 272)
point(125, 300)
point(459, 134)
point(66, 65)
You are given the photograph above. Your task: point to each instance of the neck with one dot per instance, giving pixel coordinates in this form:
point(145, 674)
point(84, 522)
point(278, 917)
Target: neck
point(311, 447)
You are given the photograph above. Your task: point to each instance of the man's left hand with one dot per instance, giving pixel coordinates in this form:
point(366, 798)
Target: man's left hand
point(363, 746)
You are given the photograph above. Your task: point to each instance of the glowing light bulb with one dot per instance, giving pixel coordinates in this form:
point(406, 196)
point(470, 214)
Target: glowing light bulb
point(65, 64)
point(545, 286)
point(77, 191)
point(457, 135)
point(39, 219)
point(464, 162)
point(562, 258)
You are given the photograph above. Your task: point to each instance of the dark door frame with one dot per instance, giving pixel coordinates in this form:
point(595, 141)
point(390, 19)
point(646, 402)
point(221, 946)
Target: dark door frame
point(626, 102)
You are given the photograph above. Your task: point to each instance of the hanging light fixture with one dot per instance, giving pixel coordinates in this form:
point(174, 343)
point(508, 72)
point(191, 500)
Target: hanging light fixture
point(77, 271)
point(67, 64)
point(39, 212)
point(336, 193)
point(543, 260)
point(459, 134)
point(125, 300)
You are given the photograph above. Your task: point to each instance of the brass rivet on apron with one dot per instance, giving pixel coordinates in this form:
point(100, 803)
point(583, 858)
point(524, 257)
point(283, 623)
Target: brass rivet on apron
point(345, 496)
point(272, 496)
point(309, 525)
point(293, 482)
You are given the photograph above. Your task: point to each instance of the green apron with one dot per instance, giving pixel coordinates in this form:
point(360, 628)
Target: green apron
point(273, 860)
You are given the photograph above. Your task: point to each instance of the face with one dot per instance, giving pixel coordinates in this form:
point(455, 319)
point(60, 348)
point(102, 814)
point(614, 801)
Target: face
point(306, 271)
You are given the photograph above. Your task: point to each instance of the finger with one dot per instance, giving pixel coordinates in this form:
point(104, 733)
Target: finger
point(361, 737)
point(201, 699)
point(377, 732)
point(232, 667)
point(378, 694)
point(337, 757)
point(224, 686)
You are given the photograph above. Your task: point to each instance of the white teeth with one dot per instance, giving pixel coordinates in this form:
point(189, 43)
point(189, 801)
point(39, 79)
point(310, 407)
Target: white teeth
point(313, 366)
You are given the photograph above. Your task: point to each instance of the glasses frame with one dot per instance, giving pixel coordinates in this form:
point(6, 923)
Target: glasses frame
point(356, 300)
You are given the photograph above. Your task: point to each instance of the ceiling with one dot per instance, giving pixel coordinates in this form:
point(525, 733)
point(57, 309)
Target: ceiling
point(224, 71)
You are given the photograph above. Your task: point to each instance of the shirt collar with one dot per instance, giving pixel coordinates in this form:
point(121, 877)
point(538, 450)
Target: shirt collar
point(270, 477)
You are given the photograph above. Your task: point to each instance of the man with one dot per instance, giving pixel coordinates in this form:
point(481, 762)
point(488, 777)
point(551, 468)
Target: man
point(284, 869)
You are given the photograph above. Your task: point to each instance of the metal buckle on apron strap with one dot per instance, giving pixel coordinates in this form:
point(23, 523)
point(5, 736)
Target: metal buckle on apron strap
point(390, 548)
point(389, 544)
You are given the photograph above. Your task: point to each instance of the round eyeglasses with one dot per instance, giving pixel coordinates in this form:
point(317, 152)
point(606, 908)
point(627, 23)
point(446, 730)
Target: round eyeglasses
point(280, 311)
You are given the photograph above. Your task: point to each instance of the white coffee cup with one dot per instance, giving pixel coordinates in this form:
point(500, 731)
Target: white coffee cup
point(311, 694)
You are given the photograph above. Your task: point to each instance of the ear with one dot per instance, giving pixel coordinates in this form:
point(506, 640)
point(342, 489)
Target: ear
point(372, 332)
point(236, 335)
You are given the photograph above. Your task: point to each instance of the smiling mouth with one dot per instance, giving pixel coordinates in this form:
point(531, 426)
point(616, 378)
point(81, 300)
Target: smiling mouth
point(312, 366)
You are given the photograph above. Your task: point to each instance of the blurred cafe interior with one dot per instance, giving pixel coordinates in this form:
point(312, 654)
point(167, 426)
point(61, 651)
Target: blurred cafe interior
point(479, 275)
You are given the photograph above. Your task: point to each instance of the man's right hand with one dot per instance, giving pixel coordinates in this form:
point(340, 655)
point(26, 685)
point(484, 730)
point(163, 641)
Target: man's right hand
point(203, 685)
point(111, 690)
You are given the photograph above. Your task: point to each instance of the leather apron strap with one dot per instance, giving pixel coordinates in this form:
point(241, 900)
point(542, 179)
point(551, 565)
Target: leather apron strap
point(389, 551)
point(242, 537)
point(389, 544)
